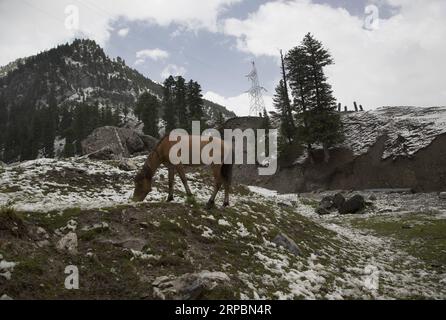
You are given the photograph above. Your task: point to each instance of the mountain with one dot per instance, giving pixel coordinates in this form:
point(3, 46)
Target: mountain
point(51, 101)
point(79, 72)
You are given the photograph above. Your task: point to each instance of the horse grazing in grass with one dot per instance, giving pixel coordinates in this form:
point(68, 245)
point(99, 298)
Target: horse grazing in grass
point(160, 156)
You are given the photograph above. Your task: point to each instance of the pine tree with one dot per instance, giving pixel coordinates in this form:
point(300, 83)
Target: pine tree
point(180, 103)
point(220, 122)
point(3, 124)
point(169, 114)
point(149, 115)
point(313, 97)
point(296, 66)
point(194, 100)
point(49, 132)
point(325, 122)
point(282, 103)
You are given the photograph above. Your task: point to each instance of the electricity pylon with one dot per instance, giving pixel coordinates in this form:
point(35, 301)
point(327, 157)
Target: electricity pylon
point(256, 93)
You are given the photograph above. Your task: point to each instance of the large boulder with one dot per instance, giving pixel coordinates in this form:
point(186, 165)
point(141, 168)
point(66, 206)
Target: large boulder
point(112, 143)
point(338, 200)
point(353, 205)
point(189, 286)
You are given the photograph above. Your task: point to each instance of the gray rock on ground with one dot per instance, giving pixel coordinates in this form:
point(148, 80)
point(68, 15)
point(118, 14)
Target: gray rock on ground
point(338, 200)
point(353, 205)
point(127, 165)
point(284, 241)
point(189, 286)
point(68, 243)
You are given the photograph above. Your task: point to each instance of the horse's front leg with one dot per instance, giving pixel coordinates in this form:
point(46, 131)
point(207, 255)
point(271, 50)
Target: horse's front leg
point(171, 177)
point(183, 178)
point(211, 202)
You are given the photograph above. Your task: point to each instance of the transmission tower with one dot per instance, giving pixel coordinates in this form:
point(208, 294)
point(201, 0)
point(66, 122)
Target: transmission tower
point(256, 93)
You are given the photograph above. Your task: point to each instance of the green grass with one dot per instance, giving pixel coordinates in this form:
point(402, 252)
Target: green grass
point(422, 236)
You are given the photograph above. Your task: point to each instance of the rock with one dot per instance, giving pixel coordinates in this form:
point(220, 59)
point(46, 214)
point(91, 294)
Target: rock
point(43, 243)
point(442, 195)
point(105, 153)
point(373, 197)
point(102, 226)
point(5, 297)
point(353, 205)
point(2, 164)
point(42, 234)
point(284, 241)
point(188, 286)
point(127, 165)
point(327, 203)
point(338, 200)
point(68, 243)
point(322, 211)
point(113, 143)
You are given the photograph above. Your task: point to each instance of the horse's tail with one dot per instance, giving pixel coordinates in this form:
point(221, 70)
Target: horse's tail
point(226, 169)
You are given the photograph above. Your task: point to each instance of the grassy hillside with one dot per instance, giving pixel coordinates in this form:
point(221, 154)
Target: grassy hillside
point(151, 250)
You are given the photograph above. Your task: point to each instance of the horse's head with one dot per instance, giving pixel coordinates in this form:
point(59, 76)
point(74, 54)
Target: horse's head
point(143, 184)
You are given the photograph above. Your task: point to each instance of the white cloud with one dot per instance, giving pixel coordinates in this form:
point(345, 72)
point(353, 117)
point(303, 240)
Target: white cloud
point(173, 70)
point(240, 104)
point(36, 27)
point(402, 63)
point(154, 54)
point(123, 32)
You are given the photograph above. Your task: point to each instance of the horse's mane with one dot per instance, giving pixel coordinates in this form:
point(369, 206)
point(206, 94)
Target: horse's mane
point(146, 170)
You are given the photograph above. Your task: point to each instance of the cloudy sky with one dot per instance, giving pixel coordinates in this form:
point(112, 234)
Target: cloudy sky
point(398, 59)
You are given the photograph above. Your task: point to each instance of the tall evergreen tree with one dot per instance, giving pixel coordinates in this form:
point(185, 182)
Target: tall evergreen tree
point(219, 123)
point(149, 113)
point(325, 122)
point(49, 132)
point(169, 114)
point(313, 95)
point(3, 124)
point(282, 103)
point(194, 100)
point(180, 103)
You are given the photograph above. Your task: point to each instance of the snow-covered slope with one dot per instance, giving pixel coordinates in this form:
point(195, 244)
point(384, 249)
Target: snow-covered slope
point(408, 129)
point(265, 246)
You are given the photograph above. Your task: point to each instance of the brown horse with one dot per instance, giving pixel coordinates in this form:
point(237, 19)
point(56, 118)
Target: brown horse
point(160, 155)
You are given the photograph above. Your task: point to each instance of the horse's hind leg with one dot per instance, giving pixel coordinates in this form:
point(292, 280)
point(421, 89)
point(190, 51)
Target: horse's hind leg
point(183, 178)
point(171, 175)
point(227, 189)
point(211, 202)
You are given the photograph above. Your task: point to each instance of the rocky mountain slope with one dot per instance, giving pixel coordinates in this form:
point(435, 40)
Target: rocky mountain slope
point(407, 129)
point(76, 212)
point(79, 72)
point(391, 147)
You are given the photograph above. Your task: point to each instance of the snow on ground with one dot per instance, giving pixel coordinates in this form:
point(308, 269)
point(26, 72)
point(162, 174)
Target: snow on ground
point(408, 129)
point(337, 261)
point(397, 272)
